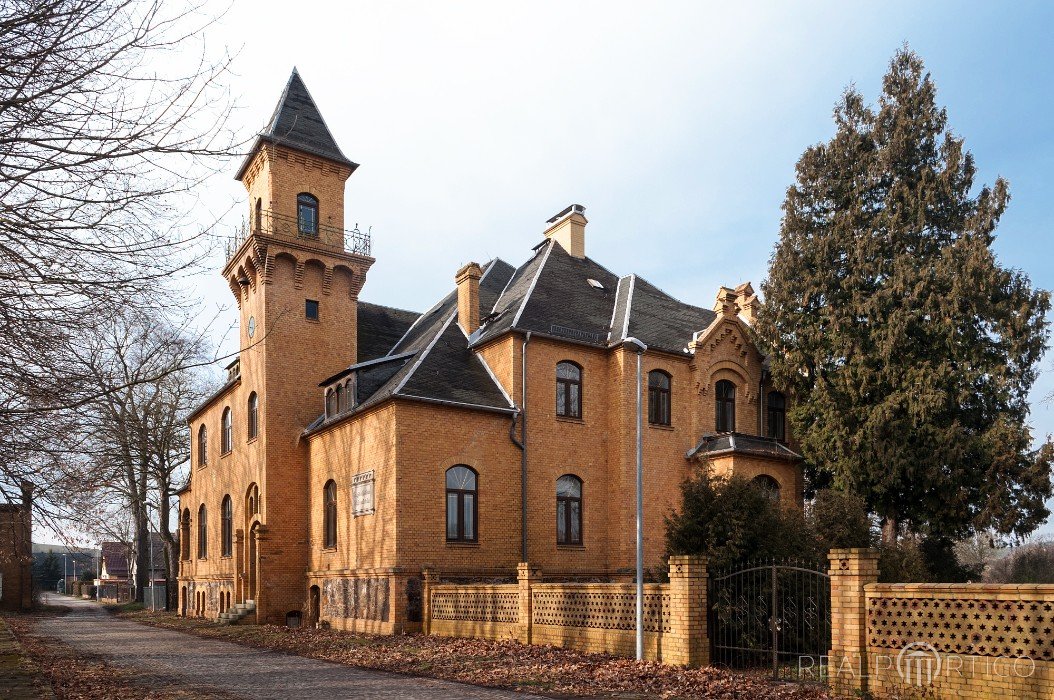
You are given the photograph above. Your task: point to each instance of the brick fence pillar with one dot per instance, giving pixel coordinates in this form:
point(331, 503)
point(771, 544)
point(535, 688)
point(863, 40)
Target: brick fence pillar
point(687, 643)
point(428, 579)
point(851, 570)
point(527, 576)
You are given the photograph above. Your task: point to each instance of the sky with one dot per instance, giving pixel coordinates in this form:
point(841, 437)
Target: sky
point(677, 125)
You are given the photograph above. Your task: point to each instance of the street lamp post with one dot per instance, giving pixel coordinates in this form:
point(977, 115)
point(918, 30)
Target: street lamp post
point(640, 348)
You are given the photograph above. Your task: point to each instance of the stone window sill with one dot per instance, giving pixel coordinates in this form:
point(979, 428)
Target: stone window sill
point(469, 545)
point(568, 419)
point(660, 426)
point(572, 547)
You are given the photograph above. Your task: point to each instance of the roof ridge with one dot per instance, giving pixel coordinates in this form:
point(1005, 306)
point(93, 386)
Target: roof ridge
point(423, 354)
point(614, 309)
point(534, 282)
point(629, 305)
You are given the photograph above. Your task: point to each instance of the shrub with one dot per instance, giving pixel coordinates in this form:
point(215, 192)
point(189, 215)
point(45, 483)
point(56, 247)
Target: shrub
point(839, 519)
point(732, 521)
point(1031, 563)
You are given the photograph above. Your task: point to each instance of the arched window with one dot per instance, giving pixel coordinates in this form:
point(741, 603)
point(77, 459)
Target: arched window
point(226, 436)
point(340, 399)
point(331, 403)
point(307, 214)
point(254, 415)
point(252, 500)
point(768, 485)
point(461, 510)
point(725, 406)
point(568, 390)
point(226, 527)
point(569, 510)
point(658, 397)
point(777, 415)
point(258, 217)
point(184, 535)
point(203, 446)
point(329, 535)
point(203, 534)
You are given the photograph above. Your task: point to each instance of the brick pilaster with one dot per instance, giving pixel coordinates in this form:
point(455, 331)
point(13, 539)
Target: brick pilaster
point(687, 643)
point(428, 579)
point(527, 575)
point(851, 570)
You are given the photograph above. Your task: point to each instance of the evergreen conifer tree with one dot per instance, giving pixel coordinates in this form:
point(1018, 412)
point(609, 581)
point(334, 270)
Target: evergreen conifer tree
point(909, 349)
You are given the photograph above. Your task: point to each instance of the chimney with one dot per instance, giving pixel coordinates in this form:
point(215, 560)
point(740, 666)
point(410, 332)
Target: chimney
point(467, 279)
point(748, 302)
point(568, 228)
point(726, 302)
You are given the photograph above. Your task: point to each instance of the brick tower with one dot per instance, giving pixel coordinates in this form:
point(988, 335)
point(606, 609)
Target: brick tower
point(296, 274)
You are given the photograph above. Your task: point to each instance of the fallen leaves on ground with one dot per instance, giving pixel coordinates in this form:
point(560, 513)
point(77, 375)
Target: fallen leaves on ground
point(501, 664)
point(76, 675)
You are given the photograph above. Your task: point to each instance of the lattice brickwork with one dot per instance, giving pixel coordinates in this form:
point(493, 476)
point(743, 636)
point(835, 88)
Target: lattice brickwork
point(955, 624)
point(600, 607)
point(476, 603)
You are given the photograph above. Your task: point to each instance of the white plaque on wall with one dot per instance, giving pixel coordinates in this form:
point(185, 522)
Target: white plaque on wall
point(362, 493)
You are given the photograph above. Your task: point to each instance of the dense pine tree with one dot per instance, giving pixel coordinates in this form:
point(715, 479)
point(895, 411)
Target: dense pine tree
point(910, 349)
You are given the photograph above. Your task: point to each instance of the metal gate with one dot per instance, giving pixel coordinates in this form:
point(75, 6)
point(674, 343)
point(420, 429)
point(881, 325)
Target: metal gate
point(773, 617)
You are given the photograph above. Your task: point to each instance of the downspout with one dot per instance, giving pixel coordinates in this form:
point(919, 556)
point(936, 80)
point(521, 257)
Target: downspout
point(640, 348)
point(522, 444)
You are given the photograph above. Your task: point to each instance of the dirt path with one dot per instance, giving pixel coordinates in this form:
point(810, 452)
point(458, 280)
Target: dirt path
point(204, 664)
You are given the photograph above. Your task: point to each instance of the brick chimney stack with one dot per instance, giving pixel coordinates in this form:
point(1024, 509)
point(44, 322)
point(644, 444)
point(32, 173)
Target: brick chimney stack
point(467, 279)
point(568, 228)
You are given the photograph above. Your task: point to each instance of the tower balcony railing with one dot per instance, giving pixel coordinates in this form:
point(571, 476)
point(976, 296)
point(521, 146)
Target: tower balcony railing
point(290, 228)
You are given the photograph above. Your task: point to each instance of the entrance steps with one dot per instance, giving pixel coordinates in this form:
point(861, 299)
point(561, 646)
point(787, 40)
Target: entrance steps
point(237, 613)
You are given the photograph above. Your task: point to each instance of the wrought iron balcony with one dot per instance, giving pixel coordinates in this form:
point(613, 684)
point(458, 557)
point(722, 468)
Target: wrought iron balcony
point(279, 226)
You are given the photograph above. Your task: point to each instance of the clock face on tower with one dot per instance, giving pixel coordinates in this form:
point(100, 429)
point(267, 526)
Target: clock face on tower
point(252, 326)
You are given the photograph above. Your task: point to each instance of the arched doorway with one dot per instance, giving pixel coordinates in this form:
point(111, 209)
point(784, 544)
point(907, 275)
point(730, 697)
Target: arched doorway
point(315, 606)
point(183, 602)
point(254, 535)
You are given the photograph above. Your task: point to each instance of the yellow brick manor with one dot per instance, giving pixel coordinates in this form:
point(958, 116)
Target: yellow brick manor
point(355, 444)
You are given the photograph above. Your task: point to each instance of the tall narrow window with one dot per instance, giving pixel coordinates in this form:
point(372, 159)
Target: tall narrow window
point(307, 214)
point(254, 415)
point(658, 397)
point(568, 390)
point(725, 406)
point(226, 434)
point(461, 511)
point(340, 399)
point(331, 403)
point(203, 446)
point(226, 527)
point(184, 535)
point(258, 217)
point(311, 309)
point(777, 415)
point(329, 536)
point(203, 534)
point(252, 500)
point(569, 510)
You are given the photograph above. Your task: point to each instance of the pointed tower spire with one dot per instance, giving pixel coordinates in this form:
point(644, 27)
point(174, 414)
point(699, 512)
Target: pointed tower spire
point(297, 124)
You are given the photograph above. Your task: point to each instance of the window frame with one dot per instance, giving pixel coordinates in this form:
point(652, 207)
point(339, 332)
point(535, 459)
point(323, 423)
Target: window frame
point(460, 501)
point(203, 532)
point(253, 409)
point(724, 405)
point(567, 384)
point(309, 202)
point(184, 535)
point(779, 413)
point(226, 431)
point(329, 515)
point(307, 310)
point(258, 216)
point(658, 394)
point(203, 445)
point(770, 485)
point(226, 526)
point(567, 501)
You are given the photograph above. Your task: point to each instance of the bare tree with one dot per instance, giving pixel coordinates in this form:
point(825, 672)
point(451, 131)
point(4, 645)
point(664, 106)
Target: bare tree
point(99, 150)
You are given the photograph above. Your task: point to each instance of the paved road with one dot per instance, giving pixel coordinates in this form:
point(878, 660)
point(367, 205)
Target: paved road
point(210, 665)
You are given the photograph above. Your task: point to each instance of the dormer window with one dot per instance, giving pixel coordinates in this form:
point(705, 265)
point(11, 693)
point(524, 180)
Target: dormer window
point(307, 214)
point(340, 397)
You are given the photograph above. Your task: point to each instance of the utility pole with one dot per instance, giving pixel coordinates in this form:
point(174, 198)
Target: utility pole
point(641, 348)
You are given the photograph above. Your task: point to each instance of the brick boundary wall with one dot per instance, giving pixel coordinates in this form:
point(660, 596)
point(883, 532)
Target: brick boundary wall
point(591, 617)
point(965, 641)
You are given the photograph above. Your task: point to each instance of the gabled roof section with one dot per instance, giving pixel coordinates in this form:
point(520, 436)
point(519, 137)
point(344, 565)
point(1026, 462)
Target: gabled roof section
point(379, 328)
point(716, 444)
point(298, 124)
point(661, 321)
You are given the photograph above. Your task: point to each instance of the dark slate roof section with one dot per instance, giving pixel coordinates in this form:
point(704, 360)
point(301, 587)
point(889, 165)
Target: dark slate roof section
point(381, 327)
point(616, 333)
point(715, 444)
point(509, 302)
point(496, 276)
point(115, 557)
point(563, 303)
point(661, 321)
point(297, 123)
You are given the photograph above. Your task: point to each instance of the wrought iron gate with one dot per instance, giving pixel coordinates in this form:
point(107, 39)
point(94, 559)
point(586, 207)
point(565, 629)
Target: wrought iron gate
point(771, 616)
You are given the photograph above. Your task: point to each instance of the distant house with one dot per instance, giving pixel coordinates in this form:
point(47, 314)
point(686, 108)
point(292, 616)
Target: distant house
point(115, 575)
point(16, 555)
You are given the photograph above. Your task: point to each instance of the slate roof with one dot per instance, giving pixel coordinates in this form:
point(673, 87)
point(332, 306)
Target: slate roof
point(381, 327)
point(715, 444)
point(115, 558)
point(297, 123)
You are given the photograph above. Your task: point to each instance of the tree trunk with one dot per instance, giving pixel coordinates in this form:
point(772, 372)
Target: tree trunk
point(890, 528)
